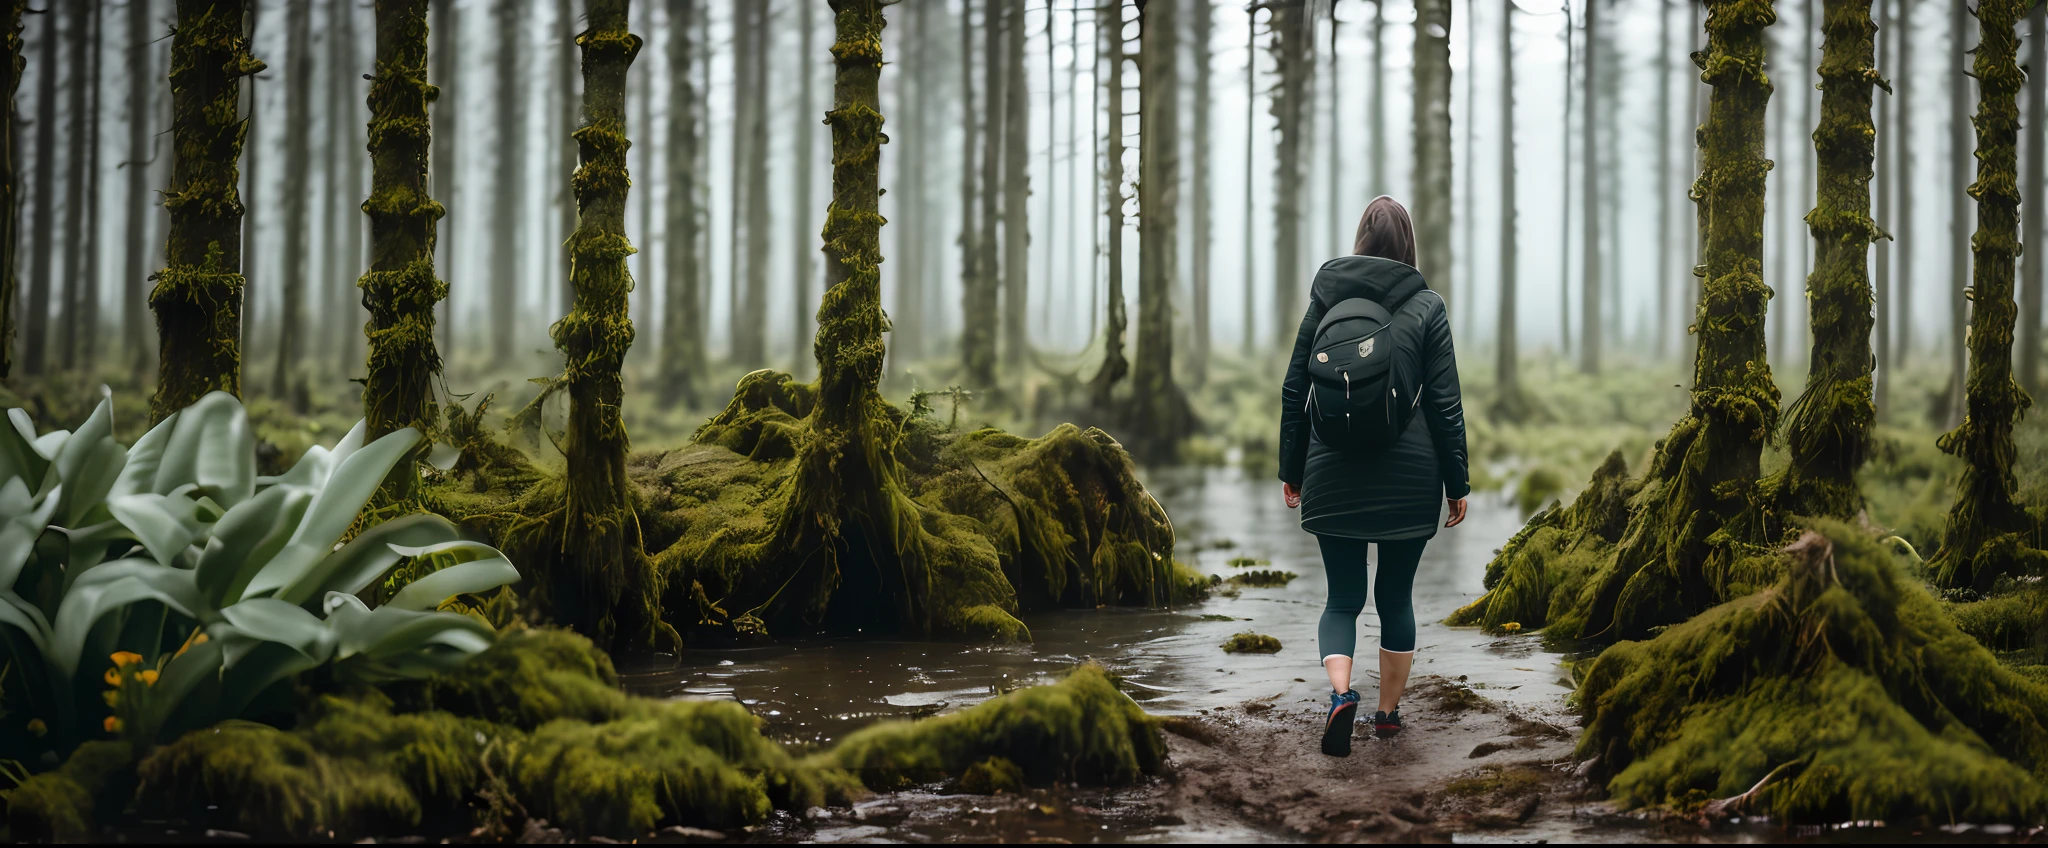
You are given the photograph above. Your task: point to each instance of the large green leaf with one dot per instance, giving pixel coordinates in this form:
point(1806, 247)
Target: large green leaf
point(368, 556)
point(89, 464)
point(22, 520)
point(144, 458)
point(247, 538)
point(430, 590)
point(389, 642)
point(24, 616)
point(272, 620)
point(165, 524)
point(354, 480)
point(88, 546)
point(18, 457)
point(109, 588)
point(212, 447)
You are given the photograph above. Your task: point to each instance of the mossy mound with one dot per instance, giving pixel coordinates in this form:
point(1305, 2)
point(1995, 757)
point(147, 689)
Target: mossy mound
point(1262, 579)
point(1251, 643)
point(1539, 577)
point(2015, 620)
point(982, 526)
point(65, 805)
point(529, 677)
point(1080, 730)
point(1844, 683)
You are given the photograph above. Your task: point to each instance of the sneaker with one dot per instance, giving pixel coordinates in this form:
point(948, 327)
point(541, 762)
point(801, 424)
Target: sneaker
point(1337, 729)
point(1385, 725)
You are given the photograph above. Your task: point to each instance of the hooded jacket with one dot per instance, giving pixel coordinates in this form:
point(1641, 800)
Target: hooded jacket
point(1398, 492)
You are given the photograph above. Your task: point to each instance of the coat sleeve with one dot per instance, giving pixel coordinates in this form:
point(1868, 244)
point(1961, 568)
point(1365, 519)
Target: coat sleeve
point(1442, 405)
point(1294, 433)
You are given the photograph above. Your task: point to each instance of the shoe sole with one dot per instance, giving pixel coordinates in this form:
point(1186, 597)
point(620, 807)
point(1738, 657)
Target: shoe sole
point(1386, 731)
point(1336, 741)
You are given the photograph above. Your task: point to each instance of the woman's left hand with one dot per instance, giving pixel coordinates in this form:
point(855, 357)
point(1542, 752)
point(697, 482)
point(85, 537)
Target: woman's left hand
point(1291, 494)
point(1457, 512)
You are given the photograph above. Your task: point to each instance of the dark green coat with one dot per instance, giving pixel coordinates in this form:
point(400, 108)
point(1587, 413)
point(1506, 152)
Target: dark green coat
point(1396, 493)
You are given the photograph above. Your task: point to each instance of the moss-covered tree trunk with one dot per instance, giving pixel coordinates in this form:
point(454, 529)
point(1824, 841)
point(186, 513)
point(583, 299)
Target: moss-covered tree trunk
point(564, 199)
point(682, 326)
point(10, 193)
point(1902, 344)
point(1433, 198)
point(1830, 431)
point(1109, 40)
point(800, 193)
point(604, 565)
point(1293, 39)
point(291, 289)
point(1700, 500)
point(1950, 410)
point(198, 295)
point(1161, 416)
point(1016, 192)
point(1989, 532)
point(400, 289)
point(443, 68)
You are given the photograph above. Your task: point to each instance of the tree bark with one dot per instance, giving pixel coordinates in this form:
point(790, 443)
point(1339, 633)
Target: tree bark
point(1902, 125)
point(1887, 174)
point(1590, 325)
point(344, 208)
point(683, 323)
point(1950, 415)
point(1989, 532)
point(1292, 37)
point(285, 383)
point(1703, 475)
point(1162, 417)
point(508, 188)
point(803, 241)
point(2036, 235)
point(602, 546)
point(907, 318)
point(1204, 26)
point(444, 69)
point(10, 191)
point(1376, 129)
point(352, 254)
point(134, 335)
point(77, 108)
point(400, 290)
point(1433, 190)
point(564, 200)
point(1109, 38)
point(42, 229)
point(88, 244)
point(1016, 192)
point(1251, 106)
point(981, 372)
point(1512, 402)
point(198, 295)
point(1564, 212)
point(1667, 186)
point(977, 329)
point(1829, 435)
point(759, 219)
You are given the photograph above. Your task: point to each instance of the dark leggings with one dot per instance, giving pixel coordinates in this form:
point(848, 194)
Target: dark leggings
point(1344, 560)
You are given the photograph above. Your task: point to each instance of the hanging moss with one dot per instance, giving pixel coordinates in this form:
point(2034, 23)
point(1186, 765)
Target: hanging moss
point(70, 803)
point(400, 289)
point(1989, 533)
point(1842, 688)
point(1080, 730)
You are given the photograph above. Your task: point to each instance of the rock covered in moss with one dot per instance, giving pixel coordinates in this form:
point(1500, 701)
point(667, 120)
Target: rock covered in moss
point(1252, 643)
point(992, 776)
point(257, 779)
point(1262, 578)
point(64, 805)
point(529, 677)
point(1845, 673)
point(1079, 730)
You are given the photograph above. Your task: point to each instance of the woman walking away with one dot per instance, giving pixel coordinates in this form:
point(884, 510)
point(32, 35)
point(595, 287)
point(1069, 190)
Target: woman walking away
point(1372, 441)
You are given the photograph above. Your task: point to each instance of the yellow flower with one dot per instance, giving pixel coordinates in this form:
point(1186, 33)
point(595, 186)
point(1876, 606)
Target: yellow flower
point(37, 727)
point(111, 696)
point(112, 724)
point(122, 658)
point(147, 676)
point(198, 637)
point(112, 677)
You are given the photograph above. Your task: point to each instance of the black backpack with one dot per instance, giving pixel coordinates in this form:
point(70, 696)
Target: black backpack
point(1363, 386)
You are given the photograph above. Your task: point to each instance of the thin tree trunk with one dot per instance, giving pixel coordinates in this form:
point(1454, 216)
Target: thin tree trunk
point(508, 191)
point(2036, 204)
point(907, 319)
point(606, 565)
point(444, 68)
point(35, 324)
point(1990, 533)
point(1109, 38)
point(251, 185)
point(1433, 190)
point(1511, 402)
point(983, 327)
point(1376, 129)
point(683, 323)
point(1806, 197)
point(79, 47)
point(89, 281)
point(1333, 181)
point(1829, 435)
point(1251, 106)
point(1199, 186)
point(134, 336)
point(759, 239)
point(343, 206)
point(1016, 193)
point(1162, 417)
point(804, 239)
point(400, 289)
point(354, 181)
point(198, 294)
point(1469, 234)
point(1590, 326)
point(1667, 185)
point(745, 102)
point(10, 191)
point(1291, 42)
point(565, 147)
point(977, 332)
point(1052, 177)
point(1887, 176)
point(1951, 413)
point(1564, 212)
point(1903, 236)
point(284, 383)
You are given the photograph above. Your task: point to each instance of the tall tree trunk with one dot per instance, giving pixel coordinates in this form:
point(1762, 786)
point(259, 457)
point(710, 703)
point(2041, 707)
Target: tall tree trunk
point(804, 240)
point(140, 209)
point(1989, 532)
point(565, 150)
point(1293, 37)
point(2036, 235)
point(354, 181)
point(1887, 176)
point(1903, 235)
point(977, 328)
point(1829, 435)
point(79, 48)
point(1512, 402)
point(744, 103)
point(1109, 39)
point(1806, 196)
point(444, 69)
point(759, 219)
point(1376, 122)
point(35, 324)
point(683, 323)
point(1950, 415)
point(198, 294)
point(285, 385)
point(508, 189)
point(1016, 192)
point(10, 191)
point(1251, 123)
point(400, 289)
point(1667, 186)
point(906, 319)
point(983, 312)
point(1564, 212)
point(1469, 216)
point(1162, 417)
point(338, 274)
point(1590, 326)
point(88, 245)
point(606, 565)
point(1204, 29)
point(1703, 473)
point(1433, 191)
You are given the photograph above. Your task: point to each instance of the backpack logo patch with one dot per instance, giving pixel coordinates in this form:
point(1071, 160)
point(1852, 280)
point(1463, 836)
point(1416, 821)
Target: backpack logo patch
point(1365, 348)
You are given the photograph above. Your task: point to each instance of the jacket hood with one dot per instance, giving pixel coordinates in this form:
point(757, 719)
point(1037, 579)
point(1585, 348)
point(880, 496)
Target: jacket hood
point(1384, 281)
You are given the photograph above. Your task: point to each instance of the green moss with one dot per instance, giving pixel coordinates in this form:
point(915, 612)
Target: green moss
point(1846, 669)
point(1245, 562)
point(1080, 730)
point(1539, 578)
point(1512, 781)
point(1536, 488)
point(992, 776)
point(71, 802)
point(1262, 578)
point(269, 783)
point(2012, 621)
point(528, 678)
point(1251, 643)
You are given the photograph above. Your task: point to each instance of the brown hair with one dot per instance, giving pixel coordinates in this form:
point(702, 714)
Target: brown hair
point(1385, 231)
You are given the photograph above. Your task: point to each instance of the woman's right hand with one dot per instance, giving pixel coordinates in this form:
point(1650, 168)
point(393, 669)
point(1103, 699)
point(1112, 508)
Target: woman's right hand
point(1291, 494)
